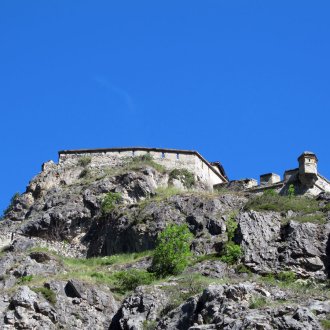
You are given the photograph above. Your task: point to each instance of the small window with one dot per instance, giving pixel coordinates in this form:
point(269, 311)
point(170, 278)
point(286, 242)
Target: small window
point(177, 156)
point(133, 153)
point(163, 154)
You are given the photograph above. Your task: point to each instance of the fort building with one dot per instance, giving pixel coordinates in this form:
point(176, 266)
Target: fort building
point(210, 173)
point(305, 179)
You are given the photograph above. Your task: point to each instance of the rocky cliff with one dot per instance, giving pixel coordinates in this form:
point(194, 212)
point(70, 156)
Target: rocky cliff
point(71, 261)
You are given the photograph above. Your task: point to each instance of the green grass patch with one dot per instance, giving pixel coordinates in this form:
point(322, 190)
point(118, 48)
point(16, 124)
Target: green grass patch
point(25, 279)
point(128, 280)
point(138, 162)
point(84, 161)
point(47, 293)
point(109, 202)
point(325, 324)
point(93, 263)
point(313, 218)
point(257, 302)
point(186, 177)
point(269, 202)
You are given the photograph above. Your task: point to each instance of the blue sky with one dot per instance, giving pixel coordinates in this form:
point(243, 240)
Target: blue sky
point(243, 82)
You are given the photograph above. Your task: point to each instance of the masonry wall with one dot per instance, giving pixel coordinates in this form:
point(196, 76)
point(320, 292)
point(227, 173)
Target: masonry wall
point(170, 160)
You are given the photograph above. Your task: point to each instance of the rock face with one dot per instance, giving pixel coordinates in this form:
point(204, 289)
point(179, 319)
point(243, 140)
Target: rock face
point(270, 246)
point(218, 307)
point(44, 284)
point(135, 227)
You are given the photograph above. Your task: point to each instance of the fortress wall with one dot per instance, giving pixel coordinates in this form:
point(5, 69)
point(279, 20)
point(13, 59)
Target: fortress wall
point(170, 160)
point(323, 183)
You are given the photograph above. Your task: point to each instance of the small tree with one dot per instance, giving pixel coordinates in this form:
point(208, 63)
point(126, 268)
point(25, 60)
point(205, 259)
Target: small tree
point(172, 250)
point(291, 190)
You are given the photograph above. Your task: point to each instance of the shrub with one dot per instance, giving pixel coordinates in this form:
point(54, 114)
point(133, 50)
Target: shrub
point(11, 205)
point(149, 325)
point(172, 250)
point(138, 161)
point(231, 253)
point(270, 192)
point(25, 279)
point(130, 279)
point(84, 173)
point(257, 302)
point(291, 191)
point(84, 161)
point(325, 324)
point(47, 293)
point(185, 176)
point(286, 276)
point(231, 226)
point(109, 202)
point(241, 269)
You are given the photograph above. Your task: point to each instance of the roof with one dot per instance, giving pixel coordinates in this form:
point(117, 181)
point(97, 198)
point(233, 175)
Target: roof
point(308, 153)
point(222, 174)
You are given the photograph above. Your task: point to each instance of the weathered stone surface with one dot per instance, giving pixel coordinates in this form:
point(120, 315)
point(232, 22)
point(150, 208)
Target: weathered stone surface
point(135, 228)
point(229, 307)
point(271, 246)
point(144, 305)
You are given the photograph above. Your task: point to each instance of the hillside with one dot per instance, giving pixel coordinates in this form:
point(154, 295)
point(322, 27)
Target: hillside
point(78, 247)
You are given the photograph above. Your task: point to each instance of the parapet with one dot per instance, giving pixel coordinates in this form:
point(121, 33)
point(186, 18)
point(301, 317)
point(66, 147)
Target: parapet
point(269, 178)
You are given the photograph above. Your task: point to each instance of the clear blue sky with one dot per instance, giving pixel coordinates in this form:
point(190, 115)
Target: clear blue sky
point(243, 82)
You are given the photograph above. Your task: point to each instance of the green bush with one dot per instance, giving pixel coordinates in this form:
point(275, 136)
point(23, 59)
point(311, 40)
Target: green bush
point(241, 269)
point(25, 279)
point(47, 293)
point(149, 325)
point(185, 176)
point(84, 160)
point(109, 202)
point(257, 302)
point(231, 253)
point(84, 173)
point(137, 162)
point(325, 324)
point(231, 226)
point(11, 205)
point(128, 280)
point(270, 192)
point(172, 251)
point(291, 191)
point(286, 276)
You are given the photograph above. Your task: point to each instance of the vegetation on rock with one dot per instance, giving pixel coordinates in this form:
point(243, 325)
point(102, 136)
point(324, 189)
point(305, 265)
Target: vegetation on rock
point(186, 177)
point(109, 202)
point(172, 250)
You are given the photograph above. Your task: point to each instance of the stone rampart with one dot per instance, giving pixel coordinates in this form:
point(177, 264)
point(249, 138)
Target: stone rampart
point(170, 159)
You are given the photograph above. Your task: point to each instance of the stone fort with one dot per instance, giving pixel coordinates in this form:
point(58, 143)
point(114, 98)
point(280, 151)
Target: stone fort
point(305, 178)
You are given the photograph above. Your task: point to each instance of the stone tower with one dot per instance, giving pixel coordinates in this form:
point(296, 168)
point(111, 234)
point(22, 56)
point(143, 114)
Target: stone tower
point(308, 168)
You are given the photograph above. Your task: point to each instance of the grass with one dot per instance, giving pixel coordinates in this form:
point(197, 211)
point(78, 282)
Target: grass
point(186, 177)
point(138, 162)
point(25, 279)
point(269, 202)
point(47, 293)
point(312, 218)
point(161, 194)
point(257, 302)
point(81, 263)
point(325, 324)
point(84, 161)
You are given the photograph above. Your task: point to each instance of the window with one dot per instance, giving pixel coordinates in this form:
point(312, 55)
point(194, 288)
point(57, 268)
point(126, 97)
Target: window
point(133, 153)
point(177, 156)
point(163, 154)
